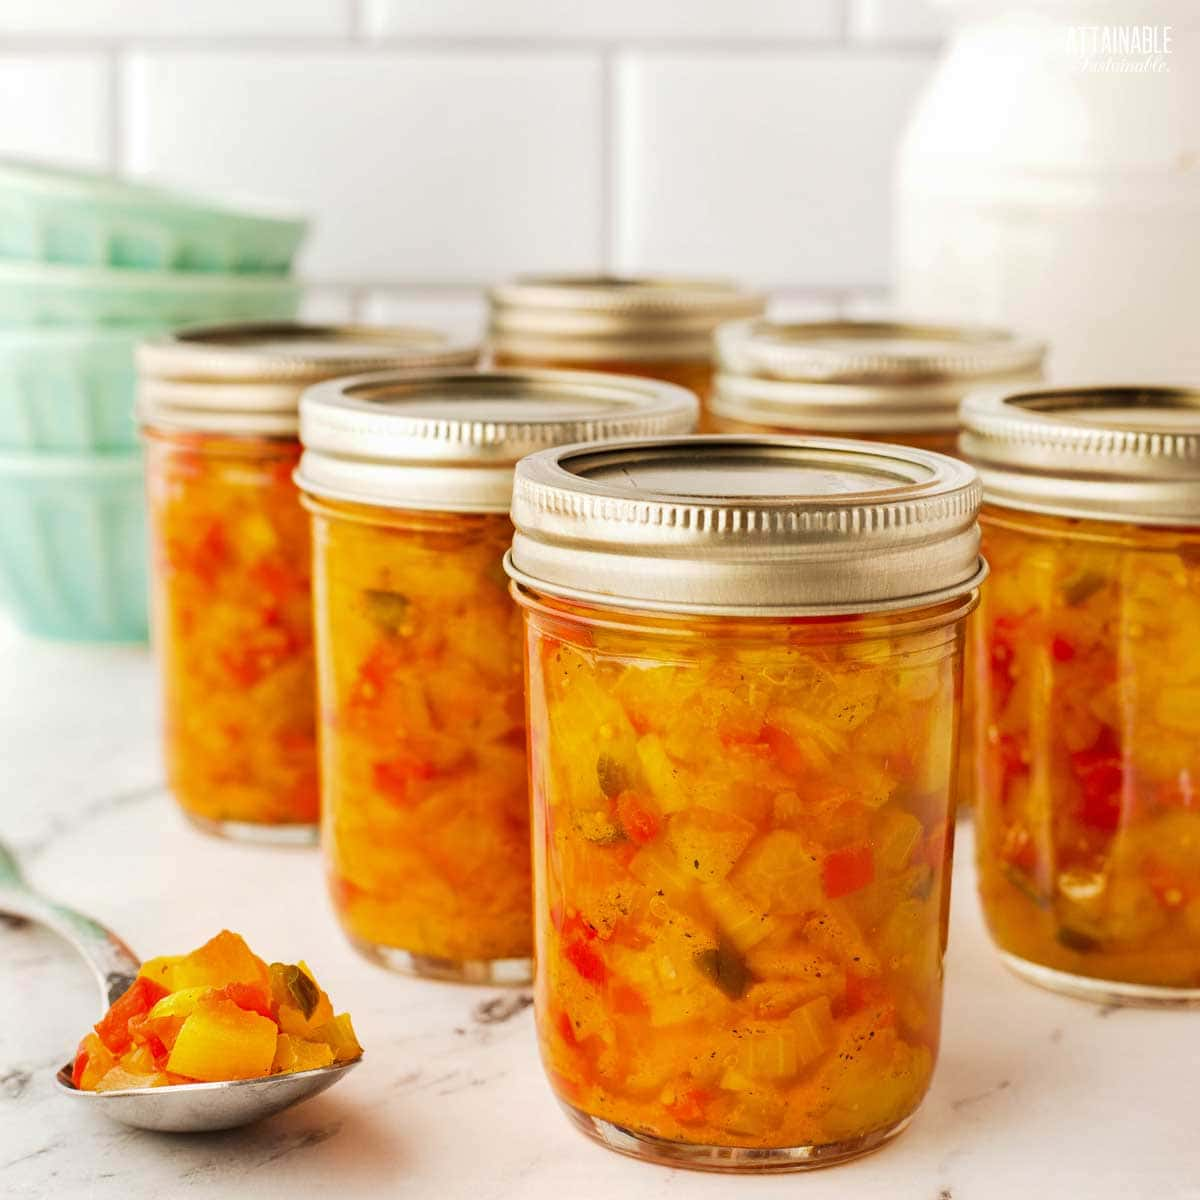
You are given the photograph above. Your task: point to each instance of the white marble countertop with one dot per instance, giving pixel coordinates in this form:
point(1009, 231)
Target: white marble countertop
point(1034, 1095)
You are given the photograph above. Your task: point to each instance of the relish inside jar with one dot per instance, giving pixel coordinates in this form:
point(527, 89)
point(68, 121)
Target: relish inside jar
point(742, 812)
point(420, 662)
point(231, 559)
point(1086, 672)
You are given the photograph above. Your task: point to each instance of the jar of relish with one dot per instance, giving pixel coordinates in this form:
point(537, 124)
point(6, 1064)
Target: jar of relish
point(660, 328)
point(743, 663)
point(419, 654)
point(230, 559)
point(1087, 679)
point(888, 381)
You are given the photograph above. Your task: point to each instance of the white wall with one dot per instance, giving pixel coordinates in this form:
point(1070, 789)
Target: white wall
point(439, 144)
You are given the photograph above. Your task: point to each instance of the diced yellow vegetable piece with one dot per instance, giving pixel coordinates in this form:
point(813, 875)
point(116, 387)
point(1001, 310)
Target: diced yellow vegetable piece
point(294, 1054)
point(182, 1003)
point(708, 843)
point(118, 1079)
point(662, 775)
point(339, 1036)
point(224, 959)
point(655, 866)
point(781, 873)
point(221, 1041)
point(740, 919)
point(813, 1024)
point(901, 834)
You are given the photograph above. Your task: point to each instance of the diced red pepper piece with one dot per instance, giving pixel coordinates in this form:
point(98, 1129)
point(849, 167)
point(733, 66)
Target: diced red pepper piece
point(791, 759)
point(638, 818)
point(585, 960)
point(566, 1030)
point(139, 998)
point(688, 1106)
point(868, 992)
point(251, 997)
point(1060, 649)
point(1002, 655)
point(627, 1001)
point(1100, 773)
point(395, 777)
point(81, 1062)
point(209, 555)
point(846, 870)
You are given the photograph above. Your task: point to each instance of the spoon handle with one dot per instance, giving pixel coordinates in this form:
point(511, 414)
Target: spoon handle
point(112, 962)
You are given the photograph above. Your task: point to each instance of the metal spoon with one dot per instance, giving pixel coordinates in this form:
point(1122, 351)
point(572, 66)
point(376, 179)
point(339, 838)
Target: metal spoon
point(177, 1108)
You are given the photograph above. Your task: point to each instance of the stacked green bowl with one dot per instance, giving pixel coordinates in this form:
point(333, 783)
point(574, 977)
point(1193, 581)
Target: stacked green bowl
point(89, 265)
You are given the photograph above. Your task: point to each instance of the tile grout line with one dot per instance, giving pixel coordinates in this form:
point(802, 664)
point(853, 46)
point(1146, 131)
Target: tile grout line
point(357, 39)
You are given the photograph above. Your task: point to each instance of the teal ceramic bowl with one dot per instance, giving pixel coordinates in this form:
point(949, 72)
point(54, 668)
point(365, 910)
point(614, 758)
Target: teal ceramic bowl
point(73, 545)
point(52, 214)
point(47, 294)
point(68, 389)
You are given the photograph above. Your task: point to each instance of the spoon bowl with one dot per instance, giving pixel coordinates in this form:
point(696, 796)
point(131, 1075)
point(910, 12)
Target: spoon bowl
point(173, 1108)
point(206, 1107)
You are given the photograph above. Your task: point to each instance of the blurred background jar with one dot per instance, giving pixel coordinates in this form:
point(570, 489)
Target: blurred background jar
point(659, 328)
point(424, 786)
point(743, 663)
point(1086, 663)
point(1049, 180)
point(230, 559)
point(889, 381)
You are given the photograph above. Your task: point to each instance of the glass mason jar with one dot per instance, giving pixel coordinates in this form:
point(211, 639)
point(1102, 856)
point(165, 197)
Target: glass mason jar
point(230, 560)
point(660, 328)
point(890, 381)
point(1087, 671)
point(419, 664)
point(743, 658)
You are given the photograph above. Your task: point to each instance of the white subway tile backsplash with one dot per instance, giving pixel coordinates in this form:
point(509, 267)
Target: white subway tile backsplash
point(773, 168)
point(55, 107)
point(431, 167)
point(897, 20)
point(604, 19)
point(186, 18)
point(460, 313)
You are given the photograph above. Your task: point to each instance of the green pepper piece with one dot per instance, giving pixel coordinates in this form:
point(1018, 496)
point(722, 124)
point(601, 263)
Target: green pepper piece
point(389, 610)
point(611, 776)
point(1076, 940)
point(726, 968)
point(300, 991)
point(1081, 585)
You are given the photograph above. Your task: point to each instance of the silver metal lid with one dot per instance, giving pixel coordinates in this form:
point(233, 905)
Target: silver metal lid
point(605, 318)
point(860, 376)
point(448, 441)
point(1107, 452)
point(747, 526)
point(247, 378)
